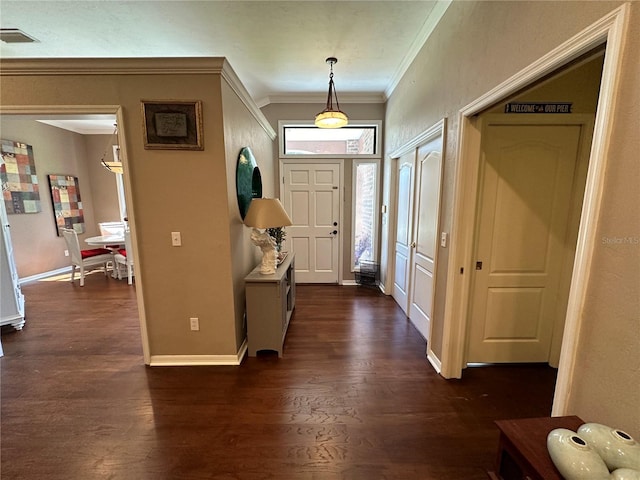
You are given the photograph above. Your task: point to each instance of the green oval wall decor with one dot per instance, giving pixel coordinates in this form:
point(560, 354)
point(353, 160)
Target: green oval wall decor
point(248, 180)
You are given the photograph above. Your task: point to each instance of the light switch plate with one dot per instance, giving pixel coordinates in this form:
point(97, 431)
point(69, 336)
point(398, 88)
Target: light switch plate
point(443, 239)
point(176, 239)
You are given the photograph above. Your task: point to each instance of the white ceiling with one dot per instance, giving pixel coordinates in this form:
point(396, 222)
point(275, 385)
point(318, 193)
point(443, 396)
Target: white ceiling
point(85, 124)
point(277, 48)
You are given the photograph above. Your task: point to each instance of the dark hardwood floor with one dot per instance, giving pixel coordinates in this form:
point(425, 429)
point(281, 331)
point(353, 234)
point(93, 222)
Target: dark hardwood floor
point(353, 397)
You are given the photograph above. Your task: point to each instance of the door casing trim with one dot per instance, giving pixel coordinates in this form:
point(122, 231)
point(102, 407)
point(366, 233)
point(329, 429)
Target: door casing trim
point(582, 120)
point(438, 129)
point(611, 30)
point(117, 111)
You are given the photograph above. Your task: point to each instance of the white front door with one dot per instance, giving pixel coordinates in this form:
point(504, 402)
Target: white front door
point(404, 216)
point(522, 240)
point(425, 235)
point(311, 197)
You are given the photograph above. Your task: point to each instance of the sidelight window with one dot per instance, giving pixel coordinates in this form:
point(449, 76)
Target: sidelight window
point(364, 211)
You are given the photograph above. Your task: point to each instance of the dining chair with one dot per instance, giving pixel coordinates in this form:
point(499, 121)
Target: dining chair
point(124, 258)
point(84, 258)
point(112, 228)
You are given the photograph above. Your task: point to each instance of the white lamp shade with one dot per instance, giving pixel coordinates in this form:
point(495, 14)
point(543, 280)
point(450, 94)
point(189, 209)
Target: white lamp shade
point(266, 213)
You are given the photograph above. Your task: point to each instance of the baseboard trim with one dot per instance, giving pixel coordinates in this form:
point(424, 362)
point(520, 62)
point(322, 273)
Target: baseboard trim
point(353, 283)
point(198, 360)
point(434, 360)
point(40, 276)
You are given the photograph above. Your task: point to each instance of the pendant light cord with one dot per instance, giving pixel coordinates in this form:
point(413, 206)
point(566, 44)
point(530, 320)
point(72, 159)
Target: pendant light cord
point(332, 90)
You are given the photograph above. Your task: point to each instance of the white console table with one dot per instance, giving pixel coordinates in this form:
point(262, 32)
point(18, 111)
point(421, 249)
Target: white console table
point(270, 303)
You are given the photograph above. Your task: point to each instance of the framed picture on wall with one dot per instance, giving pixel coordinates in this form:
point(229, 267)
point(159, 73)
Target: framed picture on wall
point(172, 125)
point(67, 205)
point(20, 189)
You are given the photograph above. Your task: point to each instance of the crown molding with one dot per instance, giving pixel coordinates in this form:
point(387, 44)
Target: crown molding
point(138, 66)
point(321, 98)
point(425, 32)
point(111, 66)
point(229, 76)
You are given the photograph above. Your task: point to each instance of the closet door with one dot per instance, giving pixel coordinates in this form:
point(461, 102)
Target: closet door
point(425, 238)
point(402, 252)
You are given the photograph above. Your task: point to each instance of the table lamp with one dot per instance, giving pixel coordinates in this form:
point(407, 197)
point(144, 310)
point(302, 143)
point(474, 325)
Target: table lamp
point(266, 213)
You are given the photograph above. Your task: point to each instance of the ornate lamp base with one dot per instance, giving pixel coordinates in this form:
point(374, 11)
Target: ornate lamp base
point(269, 253)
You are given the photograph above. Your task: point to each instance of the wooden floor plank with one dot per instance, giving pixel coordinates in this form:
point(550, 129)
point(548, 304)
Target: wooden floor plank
point(352, 398)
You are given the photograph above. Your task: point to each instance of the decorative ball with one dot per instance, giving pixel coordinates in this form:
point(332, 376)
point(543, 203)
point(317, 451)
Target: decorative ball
point(574, 458)
point(617, 448)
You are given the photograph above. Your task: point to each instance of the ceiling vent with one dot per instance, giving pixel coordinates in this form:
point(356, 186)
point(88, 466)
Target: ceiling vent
point(14, 35)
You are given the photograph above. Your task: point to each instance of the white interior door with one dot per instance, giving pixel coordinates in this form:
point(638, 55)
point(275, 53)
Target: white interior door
point(425, 235)
point(311, 197)
point(404, 215)
point(526, 181)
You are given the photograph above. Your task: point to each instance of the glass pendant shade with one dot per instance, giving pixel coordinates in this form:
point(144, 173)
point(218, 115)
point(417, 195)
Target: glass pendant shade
point(331, 117)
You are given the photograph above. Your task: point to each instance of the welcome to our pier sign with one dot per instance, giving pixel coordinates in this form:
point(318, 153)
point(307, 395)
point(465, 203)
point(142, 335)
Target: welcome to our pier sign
point(538, 107)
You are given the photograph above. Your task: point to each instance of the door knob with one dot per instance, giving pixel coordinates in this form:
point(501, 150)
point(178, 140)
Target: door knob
point(413, 245)
point(335, 224)
point(335, 232)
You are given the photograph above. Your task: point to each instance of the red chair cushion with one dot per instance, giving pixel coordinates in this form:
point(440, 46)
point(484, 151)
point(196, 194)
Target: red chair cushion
point(94, 252)
point(123, 252)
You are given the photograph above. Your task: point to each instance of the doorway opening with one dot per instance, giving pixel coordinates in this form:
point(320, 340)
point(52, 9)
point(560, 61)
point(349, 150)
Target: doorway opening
point(609, 32)
point(85, 121)
point(531, 181)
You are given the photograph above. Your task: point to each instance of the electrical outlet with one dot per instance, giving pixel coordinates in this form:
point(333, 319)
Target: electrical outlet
point(195, 323)
point(66, 253)
point(176, 239)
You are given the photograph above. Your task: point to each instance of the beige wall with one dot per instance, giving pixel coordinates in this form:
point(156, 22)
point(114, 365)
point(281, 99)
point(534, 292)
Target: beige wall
point(241, 130)
point(104, 189)
point(578, 84)
point(37, 247)
point(304, 111)
point(172, 190)
point(477, 46)
point(606, 384)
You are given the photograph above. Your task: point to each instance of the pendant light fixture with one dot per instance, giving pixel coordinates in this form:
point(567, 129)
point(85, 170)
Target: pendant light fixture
point(331, 117)
point(115, 166)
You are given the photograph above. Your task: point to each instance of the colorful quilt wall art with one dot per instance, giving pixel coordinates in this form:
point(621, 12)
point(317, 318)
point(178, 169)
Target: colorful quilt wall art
point(67, 206)
point(20, 190)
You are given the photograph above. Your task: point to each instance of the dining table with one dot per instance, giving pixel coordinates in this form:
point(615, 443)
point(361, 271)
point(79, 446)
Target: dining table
point(106, 240)
point(111, 242)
